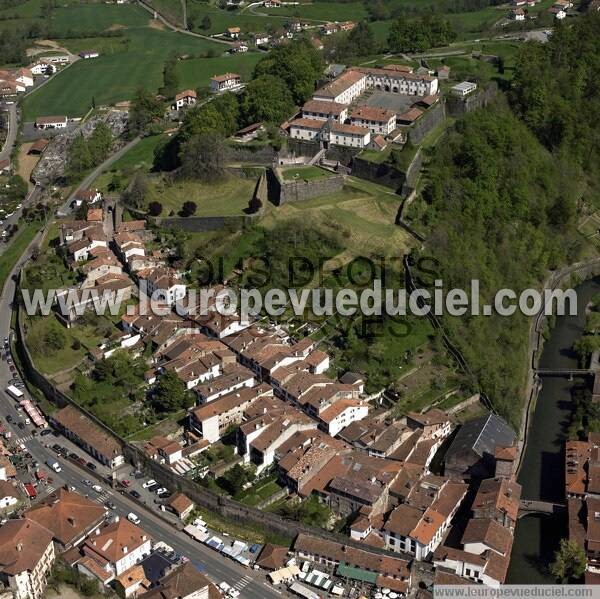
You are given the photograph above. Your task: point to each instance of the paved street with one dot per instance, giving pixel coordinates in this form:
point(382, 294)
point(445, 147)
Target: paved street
point(252, 584)
point(87, 182)
point(12, 132)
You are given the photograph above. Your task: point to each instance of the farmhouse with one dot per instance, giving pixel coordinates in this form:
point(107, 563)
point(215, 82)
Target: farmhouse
point(343, 90)
point(239, 48)
point(85, 54)
point(377, 120)
point(233, 33)
point(185, 98)
point(51, 122)
point(225, 82)
point(58, 58)
point(42, 67)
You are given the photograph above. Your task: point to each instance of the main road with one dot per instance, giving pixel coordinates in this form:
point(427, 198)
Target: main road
point(12, 132)
point(252, 584)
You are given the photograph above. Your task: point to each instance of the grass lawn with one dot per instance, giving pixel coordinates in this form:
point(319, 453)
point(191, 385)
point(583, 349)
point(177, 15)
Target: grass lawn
point(322, 11)
point(16, 248)
point(220, 20)
point(67, 357)
point(226, 198)
point(141, 155)
point(306, 173)
point(96, 17)
point(198, 71)
point(115, 77)
point(260, 491)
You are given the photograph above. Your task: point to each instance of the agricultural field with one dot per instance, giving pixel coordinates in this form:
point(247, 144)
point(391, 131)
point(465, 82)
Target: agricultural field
point(115, 76)
point(195, 72)
point(321, 11)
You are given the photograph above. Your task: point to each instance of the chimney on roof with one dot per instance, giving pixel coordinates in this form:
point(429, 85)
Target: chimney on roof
point(71, 520)
point(125, 549)
point(19, 547)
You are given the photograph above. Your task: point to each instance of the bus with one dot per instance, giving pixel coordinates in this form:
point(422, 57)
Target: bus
point(14, 392)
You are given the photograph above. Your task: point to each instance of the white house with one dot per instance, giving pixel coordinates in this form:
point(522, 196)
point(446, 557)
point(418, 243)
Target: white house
point(85, 54)
point(400, 81)
point(350, 136)
point(24, 76)
point(341, 414)
point(185, 98)
point(42, 67)
point(164, 283)
point(322, 111)
point(225, 82)
point(378, 120)
point(27, 550)
point(305, 128)
point(51, 122)
point(343, 90)
point(118, 546)
point(57, 58)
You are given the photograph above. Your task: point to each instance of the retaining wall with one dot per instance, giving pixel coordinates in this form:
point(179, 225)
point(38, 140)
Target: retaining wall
point(299, 190)
point(458, 106)
point(431, 119)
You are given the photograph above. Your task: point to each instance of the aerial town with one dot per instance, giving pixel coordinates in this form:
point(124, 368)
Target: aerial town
point(157, 150)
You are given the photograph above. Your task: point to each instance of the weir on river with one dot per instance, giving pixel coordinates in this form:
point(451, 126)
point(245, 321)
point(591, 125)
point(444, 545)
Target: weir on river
point(542, 473)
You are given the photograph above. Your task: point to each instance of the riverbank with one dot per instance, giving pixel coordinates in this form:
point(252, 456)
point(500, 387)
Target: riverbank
point(554, 281)
point(542, 472)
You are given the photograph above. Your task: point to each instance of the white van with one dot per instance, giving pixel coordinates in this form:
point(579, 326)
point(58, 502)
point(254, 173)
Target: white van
point(133, 518)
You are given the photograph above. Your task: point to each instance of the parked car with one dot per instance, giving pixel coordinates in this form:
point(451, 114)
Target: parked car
point(97, 488)
point(91, 465)
point(133, 518)
point(56, 447)
point(153, 488)
point(135, 494)
point(86, 482)
point(149, 483)
point(110, 505)
point(161, 490)
point(45, 432)
point(126, 483)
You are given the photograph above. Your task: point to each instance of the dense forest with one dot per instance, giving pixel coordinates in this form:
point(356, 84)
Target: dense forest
point(504, 192)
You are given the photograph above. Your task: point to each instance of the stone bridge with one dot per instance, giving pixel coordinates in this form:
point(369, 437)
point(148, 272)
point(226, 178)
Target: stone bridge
point(531, 506)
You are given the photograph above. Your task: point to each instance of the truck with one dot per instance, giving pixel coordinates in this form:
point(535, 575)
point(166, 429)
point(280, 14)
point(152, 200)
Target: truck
point(14, 392)
point(54, 465)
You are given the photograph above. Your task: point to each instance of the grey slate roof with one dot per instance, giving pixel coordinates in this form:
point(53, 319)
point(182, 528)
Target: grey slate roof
point(482, 435)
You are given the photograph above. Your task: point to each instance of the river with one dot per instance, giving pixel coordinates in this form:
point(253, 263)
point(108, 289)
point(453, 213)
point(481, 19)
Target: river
point(542, 472)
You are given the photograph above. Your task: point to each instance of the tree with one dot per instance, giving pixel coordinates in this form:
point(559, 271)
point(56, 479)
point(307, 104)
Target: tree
point(100, 143)
point(569, 562)
point(170, 394)
point(55, 338)
point(145, 110)
point(79, 157)
point(188, 208)
point(206, 23)
point(170, 78)
point(266, 99)
point(155, 208)
point(235, 478)
point(204, 157)
point(298, 65)
point(136, 194)
point(362, 39)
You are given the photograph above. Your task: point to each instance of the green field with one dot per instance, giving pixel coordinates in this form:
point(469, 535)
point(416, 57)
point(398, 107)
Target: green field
point(141, 155)
point(322, 11)
point(115, 77)
point(97, 17)
point(306, 173)
point(226, 198)
point(198, 71)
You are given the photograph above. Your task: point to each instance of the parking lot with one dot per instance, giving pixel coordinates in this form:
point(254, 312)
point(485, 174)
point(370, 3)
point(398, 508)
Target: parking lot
point(396, 102)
